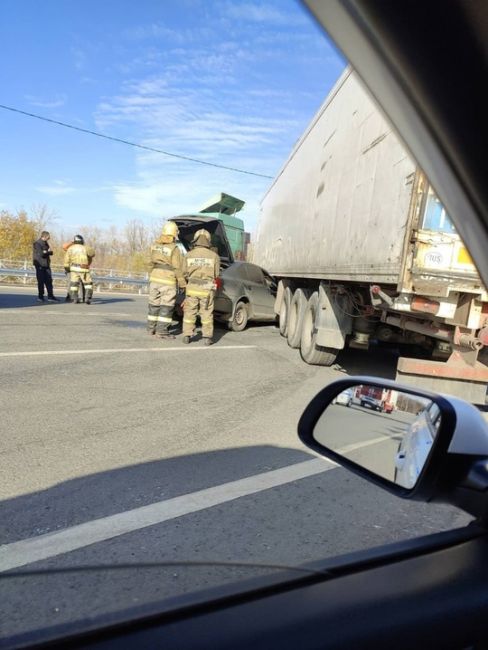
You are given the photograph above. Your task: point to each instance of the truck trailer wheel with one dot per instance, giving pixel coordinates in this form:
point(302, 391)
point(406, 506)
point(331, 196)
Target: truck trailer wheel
point(284, 311)
point(296, 313)
point(311, 353)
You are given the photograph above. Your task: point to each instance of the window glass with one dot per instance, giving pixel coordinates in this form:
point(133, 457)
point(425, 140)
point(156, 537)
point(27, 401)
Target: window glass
point(254, 273)
point(435, 216)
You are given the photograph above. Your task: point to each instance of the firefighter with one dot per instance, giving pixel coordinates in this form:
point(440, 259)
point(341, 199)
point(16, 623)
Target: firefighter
point(77, 260)
point(166, 276)
point(202, 267)
point(68, 294)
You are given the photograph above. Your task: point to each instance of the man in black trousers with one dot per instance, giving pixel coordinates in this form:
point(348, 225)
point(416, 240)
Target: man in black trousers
point(42, 262)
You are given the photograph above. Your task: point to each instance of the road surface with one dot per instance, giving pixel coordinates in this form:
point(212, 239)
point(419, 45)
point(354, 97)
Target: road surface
point(118, 448)
point(367, 437)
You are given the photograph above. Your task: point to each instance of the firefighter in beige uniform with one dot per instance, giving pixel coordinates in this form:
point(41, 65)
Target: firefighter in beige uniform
point(77, 260)
point(166, 275)
point(202, 267)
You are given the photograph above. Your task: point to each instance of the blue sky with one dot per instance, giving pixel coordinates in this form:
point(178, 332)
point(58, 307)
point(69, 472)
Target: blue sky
point(228, 81)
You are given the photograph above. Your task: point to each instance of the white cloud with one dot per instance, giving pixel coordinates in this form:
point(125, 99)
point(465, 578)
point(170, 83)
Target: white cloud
point(57, 188)
point(214, 100)
point(161, 32)
point(79, 57)
point(55, 102)
point(262, 13)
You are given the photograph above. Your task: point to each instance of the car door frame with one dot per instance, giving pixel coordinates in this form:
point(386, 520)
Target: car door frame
point(260, 297)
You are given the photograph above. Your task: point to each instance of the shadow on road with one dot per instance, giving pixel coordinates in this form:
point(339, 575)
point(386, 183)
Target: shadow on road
point(109, 301)
point(377, 361)
point(98, 495)
point(21, 300)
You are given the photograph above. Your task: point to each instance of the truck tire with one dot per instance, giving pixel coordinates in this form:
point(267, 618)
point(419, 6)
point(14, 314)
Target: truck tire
point(240, 318)
point(296, 313)
point(311, 353)
point(284, 311)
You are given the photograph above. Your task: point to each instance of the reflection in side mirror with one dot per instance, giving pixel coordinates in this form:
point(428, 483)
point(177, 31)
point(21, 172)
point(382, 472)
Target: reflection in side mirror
point(388, 432)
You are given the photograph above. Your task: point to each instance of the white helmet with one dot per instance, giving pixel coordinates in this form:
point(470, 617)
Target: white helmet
point(202, 233)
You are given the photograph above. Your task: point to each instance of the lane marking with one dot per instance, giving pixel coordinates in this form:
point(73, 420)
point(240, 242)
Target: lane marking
point(50, 545)
point(11, 290)
point(60, 312)
point(186, 348)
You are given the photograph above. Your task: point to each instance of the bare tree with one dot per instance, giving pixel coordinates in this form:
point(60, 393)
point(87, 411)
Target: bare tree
point(137, 236)
point(43, 216)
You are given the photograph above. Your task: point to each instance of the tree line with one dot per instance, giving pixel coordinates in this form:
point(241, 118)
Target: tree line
point(122, 249)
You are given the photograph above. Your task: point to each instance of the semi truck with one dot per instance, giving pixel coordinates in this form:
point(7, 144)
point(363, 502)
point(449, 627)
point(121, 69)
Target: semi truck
point(364, 251)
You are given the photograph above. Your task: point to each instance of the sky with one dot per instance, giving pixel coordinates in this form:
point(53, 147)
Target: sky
point(227, 81)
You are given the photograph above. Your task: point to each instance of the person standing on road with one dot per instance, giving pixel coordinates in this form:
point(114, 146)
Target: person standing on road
point(166, 276)
point(68, 282)
point(77, 260)
point(202, 267)
point(42, 262)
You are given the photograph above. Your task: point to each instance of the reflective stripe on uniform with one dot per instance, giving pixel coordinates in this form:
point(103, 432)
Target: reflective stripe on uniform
point(152, 318)
point(207, 322)
point(78, 269)
point(88, 286)
point(189, 320)
point(171, 283)
point(163, 319)
point(197, 294)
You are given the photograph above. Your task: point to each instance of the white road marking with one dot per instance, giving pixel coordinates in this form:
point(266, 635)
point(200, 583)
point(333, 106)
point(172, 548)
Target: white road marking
point(42, 547)
point(186, 348)
point(77, 313)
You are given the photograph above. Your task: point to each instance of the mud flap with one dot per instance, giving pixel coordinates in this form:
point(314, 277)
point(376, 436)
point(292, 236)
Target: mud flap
point(333, 322)
point(454, 377)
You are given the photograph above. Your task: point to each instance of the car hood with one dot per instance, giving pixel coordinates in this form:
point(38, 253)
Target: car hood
point(189, 224)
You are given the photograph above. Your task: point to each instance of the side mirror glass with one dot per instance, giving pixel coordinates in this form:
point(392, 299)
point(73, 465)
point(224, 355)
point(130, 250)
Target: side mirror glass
point(390, 433)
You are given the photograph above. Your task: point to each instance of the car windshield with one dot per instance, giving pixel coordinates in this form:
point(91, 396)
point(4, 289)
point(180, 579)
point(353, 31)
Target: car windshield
point(151, 387)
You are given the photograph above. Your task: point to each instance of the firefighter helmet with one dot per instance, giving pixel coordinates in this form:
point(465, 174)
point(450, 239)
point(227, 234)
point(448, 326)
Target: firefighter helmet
point(202, 233)
point(170, 229)
point(78, 239)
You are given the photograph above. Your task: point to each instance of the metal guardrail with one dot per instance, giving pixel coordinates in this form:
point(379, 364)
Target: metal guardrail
point(102, 278)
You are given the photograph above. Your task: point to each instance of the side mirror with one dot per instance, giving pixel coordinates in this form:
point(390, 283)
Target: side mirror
point(416, 444)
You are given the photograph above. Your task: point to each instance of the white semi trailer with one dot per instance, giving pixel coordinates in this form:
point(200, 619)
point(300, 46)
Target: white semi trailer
point(363, 250)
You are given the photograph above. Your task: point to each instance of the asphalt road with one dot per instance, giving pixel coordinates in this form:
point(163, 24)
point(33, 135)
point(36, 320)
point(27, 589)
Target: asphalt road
point(366, 437)
point(117, 448)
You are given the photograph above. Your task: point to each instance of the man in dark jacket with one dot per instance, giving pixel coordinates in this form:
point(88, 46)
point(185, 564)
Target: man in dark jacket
point(42, 262)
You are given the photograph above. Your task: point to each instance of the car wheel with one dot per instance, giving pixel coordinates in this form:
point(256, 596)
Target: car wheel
point(241, 316)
